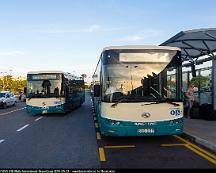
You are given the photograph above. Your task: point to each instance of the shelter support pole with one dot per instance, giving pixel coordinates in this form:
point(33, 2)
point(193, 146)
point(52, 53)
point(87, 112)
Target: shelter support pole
point(179, 88)
point(214, 82)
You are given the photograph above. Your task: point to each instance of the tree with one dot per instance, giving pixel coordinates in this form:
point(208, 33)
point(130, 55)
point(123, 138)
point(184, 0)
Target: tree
point(7, 82)
point(200, 81)
point(10, 84)
point(84, 76)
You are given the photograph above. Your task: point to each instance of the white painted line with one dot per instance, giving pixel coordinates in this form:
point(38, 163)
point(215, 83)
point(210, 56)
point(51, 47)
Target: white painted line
point(38, 118)
point(1, 140)
point(13, 111)
point(22, 127)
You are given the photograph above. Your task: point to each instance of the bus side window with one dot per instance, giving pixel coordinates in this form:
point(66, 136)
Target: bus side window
point(66, 91)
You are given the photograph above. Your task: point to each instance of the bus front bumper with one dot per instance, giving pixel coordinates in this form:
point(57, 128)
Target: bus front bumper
point(119, 128)
point(45, 110)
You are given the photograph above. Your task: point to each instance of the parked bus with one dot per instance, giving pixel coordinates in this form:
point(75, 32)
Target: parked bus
point(137, 91)
point(53, 92)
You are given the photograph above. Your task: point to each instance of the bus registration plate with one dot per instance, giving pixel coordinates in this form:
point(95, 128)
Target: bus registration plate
point(145, 130)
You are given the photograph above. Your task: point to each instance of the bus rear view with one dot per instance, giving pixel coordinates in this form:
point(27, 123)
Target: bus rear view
point(137, 91)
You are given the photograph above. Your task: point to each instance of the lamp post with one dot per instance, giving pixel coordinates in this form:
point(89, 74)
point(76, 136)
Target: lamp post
point(130, 67)
point(10, 72)
point(3, 86)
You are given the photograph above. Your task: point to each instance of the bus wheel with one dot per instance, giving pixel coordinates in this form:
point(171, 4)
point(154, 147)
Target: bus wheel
point(4, 106)
point(103, 136)
point(65, 113)
point(70, 110)
point(80, 104)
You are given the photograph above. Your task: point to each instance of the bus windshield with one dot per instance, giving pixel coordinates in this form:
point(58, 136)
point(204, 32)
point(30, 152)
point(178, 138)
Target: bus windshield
point(129, 80)
point(39, 87)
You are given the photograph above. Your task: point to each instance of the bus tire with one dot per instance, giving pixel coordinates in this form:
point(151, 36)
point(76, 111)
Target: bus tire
point(103, 136)
point(80, 103)
point(65, 113)
point(4, 106)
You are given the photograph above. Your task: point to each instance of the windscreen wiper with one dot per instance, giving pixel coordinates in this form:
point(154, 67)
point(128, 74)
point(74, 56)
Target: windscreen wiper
point(115, 104)
point(159, 102)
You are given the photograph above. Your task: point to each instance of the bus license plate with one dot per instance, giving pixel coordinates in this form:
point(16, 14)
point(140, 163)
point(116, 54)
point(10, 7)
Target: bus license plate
point(145, 130)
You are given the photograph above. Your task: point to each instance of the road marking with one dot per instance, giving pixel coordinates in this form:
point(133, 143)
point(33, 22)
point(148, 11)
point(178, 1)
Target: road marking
point(98, 136)
point(95, 118)
point(38, 118)
point(96, 125)
point(1, 140)
point(196, 147)
point(172, 145)
point(123, 146)
point(201, 154)
point(13, 111)
point(102, 154)
point(20, 129)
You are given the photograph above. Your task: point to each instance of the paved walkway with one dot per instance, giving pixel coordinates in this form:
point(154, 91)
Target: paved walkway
point(202, 131)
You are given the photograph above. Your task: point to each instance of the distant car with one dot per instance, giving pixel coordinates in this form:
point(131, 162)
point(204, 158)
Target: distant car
point(7, 99)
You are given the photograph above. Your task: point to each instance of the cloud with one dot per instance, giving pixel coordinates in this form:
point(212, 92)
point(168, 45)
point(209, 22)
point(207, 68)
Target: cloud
point(55, 31)
point(94, 28)
point(141, 35)
point(89, 29)
point(132, 38)
point(12, 53)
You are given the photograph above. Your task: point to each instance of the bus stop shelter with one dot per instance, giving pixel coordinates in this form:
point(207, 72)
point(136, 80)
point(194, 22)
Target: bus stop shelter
point(198, 47)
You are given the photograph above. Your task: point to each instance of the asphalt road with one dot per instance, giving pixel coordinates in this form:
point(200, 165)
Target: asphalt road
point(52, 141)
point(74, 141)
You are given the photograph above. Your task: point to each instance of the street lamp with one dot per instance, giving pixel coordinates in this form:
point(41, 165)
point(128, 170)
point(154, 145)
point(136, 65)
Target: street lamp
point(130, 67)
point(10, 72)
point(3, 79)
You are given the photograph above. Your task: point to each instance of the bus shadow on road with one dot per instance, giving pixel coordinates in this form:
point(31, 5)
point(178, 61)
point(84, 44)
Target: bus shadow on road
point(137, 140)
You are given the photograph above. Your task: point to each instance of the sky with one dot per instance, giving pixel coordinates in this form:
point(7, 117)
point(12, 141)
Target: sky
point(69, 35)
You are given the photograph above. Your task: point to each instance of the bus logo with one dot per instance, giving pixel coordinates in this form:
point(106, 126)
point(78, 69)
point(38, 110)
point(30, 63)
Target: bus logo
point(146, 115)
point(175, 112)
point(44, 104)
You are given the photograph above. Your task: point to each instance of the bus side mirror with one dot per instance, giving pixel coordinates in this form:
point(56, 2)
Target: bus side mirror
point(66, 91)
point(96, 90)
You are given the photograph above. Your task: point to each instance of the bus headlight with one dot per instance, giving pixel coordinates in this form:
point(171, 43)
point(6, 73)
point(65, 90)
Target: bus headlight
point(113, 122)
point(177, 121)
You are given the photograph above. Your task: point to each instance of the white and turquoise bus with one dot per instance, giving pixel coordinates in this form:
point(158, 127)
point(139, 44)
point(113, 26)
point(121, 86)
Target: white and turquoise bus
point(137, 91)
point(53, 92)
